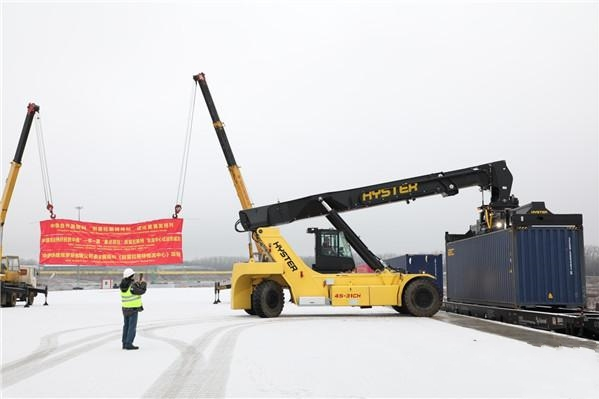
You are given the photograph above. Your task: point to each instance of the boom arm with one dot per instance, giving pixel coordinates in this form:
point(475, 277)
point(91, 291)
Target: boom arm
point(242, 193)
point(238, 183)
point(15, 165)
point(494, 176)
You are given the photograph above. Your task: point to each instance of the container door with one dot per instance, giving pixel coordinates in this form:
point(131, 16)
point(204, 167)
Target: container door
point(550, 267)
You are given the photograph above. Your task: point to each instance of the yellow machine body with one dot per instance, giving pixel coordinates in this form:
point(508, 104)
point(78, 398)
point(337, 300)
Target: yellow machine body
point(311, 288)
point(11, 269)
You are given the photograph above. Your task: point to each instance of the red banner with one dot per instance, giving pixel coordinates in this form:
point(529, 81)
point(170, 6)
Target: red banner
point(71, 242)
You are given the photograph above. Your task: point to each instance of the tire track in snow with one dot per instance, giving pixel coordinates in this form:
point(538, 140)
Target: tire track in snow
point(192, 375)
point(48, 345)
point(216, 375)
point(34, 363)
point(50, 354)
point(43, 357)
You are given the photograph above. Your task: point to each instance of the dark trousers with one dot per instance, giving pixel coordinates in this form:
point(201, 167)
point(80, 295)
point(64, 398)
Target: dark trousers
point(129, 328)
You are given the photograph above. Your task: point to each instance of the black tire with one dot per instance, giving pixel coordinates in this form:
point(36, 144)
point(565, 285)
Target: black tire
point(268, 299)
point(400, 309)
point(30, 298)
point(250, 311)
point(11, 300)
point(421, 298)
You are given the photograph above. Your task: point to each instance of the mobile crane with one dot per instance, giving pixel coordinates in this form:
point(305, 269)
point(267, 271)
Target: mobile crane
point(17, 282)
point(257, 286)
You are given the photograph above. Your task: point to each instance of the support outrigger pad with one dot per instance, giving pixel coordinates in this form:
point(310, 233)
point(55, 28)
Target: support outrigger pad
point(46, 296)
point(217, 287)
point(216, 293)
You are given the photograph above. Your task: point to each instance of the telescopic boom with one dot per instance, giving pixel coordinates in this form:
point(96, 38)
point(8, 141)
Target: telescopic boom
point(242, 192)
point(15, 165)
point(494, 176)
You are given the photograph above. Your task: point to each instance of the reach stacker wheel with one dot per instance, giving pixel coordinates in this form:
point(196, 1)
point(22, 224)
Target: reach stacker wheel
point(421, 298)
point(268, 299)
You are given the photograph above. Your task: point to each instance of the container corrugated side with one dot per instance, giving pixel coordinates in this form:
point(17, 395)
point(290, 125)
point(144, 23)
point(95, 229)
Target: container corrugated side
point(538, 266)
point(479, 270)
point(550, 269)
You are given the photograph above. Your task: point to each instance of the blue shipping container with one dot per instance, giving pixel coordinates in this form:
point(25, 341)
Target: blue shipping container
point(537, 266)
point(431, 264)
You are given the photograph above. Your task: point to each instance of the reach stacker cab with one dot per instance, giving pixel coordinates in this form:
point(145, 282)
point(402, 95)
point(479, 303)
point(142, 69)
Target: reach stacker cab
point(332, 252)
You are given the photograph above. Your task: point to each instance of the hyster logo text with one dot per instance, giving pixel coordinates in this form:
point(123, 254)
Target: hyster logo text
point(285, 256)
point(383, 193)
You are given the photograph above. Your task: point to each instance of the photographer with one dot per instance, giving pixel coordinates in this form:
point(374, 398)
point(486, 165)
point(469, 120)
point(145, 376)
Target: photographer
point(131, 292)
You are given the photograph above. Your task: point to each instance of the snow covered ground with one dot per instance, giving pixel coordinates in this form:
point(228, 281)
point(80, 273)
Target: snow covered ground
point(193, 348)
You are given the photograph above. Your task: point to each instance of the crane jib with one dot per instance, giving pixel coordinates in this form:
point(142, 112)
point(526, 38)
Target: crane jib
point(494, 176)
point(31, 111)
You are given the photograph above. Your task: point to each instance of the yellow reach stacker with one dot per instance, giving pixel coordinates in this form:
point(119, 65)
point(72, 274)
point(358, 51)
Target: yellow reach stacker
point(257, 285)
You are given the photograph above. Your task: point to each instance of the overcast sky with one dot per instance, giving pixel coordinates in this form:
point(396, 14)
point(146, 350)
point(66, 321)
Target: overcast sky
point(316, 96)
